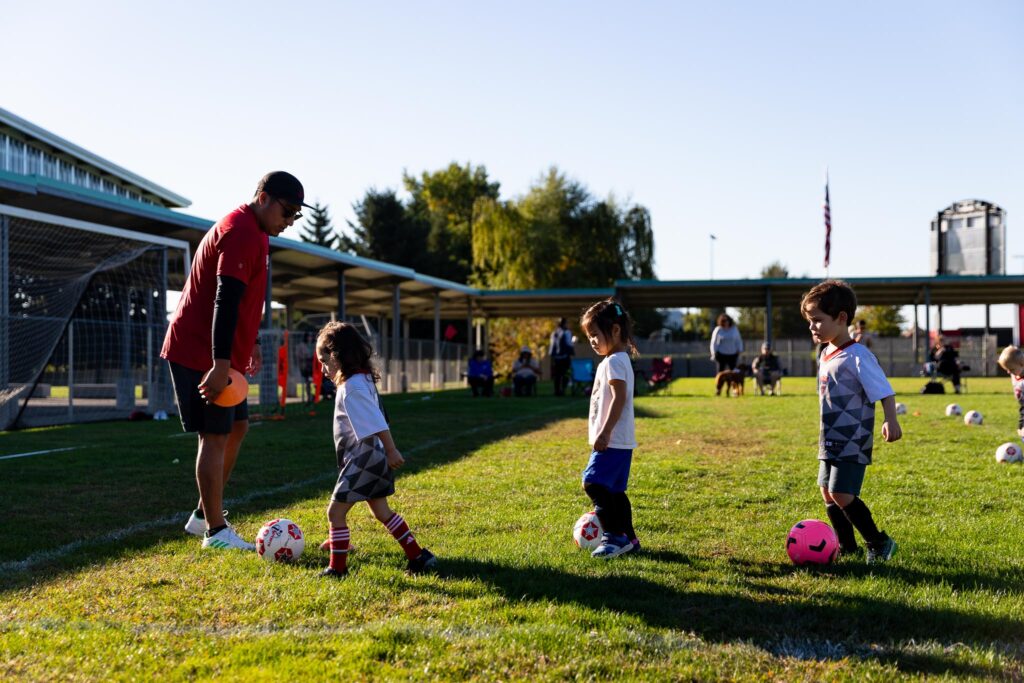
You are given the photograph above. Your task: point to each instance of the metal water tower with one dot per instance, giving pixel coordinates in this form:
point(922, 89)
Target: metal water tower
point(969, 238)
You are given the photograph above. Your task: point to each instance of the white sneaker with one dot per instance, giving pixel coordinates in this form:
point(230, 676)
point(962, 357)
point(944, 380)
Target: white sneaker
point(225, 539)
point(197, 525)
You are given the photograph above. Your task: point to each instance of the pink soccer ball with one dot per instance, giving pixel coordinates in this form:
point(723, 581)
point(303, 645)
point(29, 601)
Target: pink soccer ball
point(812, 542)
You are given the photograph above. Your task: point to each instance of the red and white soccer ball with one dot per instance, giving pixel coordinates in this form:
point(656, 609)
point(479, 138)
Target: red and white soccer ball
point(587, 532)
point(954, 410)
point(1009, 452)
point(280, 540)
point(972, 417)
point(812, 542)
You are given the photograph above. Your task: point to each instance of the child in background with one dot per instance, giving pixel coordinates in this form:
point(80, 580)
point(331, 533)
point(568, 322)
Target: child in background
point(611, 431)
point(367, 455)
point(850, 381)
point(1012, 360)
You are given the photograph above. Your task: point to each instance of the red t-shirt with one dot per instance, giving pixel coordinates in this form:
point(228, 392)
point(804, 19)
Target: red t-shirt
point(236, 247)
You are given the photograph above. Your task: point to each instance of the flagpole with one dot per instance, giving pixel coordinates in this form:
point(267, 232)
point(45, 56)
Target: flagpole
point(828, 227)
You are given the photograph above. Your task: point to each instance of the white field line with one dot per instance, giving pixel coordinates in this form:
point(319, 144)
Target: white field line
point(178, 436)
point(118, 534)
point(31, 453)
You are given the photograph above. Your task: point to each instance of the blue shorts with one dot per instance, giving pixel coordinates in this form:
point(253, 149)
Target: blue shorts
point(609, 468)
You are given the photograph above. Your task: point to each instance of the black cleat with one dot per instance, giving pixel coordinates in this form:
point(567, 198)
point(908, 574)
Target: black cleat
point(424, 562)
point(331, 573)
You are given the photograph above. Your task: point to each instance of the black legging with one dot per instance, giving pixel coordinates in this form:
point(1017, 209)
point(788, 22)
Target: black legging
point(726, 361)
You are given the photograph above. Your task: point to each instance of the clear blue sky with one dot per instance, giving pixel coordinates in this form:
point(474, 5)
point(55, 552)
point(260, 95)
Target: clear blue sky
point(719, 117)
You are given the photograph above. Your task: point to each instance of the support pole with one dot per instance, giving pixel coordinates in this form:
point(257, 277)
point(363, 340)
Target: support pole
point(396, 334)
point(268, 372)
point(988, 331)
point(341, 294)
point(5, 321)
point(487, 336)
point(928, 316)
point(913, 336)
point(435, 380)
point(768, 315)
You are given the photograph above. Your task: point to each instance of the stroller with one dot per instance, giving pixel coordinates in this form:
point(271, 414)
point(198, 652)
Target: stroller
point(661, 373)
point(582, 375)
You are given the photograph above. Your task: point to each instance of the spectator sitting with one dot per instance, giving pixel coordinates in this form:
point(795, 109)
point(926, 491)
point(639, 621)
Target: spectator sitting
point(944, 360)
point(480, 375)
point(525, 373)
point(766, 369)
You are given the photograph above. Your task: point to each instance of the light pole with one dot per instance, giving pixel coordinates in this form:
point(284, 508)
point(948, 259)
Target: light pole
point(711, 269)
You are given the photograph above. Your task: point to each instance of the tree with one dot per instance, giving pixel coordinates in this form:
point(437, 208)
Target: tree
point(385, 231)
point(787, 321)
point(444, 201)
point(883, 321)
point(318, 228)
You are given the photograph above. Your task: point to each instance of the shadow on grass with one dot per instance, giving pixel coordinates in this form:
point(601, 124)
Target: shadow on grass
point(831, 627)
point(129, 481)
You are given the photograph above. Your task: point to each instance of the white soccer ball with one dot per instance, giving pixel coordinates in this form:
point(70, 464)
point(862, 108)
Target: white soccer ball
point(972, 417)
point(1009, 452)
point(280, 540)
point(901, 409)
point(587, 532)
point(954, 409)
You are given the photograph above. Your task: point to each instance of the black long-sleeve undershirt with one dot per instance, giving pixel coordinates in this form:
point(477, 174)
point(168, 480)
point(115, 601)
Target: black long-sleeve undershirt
point(225, 314)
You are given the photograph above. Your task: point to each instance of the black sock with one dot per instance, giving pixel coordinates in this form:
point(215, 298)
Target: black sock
point(860, 516)
point(199, 513)
point(626, 509)
point(844, 530)
point(607, 508)
point(215, 530)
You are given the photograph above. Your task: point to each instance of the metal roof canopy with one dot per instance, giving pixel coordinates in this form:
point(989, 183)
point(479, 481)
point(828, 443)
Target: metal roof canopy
point(947, 290)
point(306, 276)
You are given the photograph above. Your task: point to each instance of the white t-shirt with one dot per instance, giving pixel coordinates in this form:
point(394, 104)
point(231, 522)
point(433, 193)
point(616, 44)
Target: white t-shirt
point(357, 412)
point(615, 366)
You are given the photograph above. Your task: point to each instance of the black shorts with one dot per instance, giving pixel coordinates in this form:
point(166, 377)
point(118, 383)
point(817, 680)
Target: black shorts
point(196, 414)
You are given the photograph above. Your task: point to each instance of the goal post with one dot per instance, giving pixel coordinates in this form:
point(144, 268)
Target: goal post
point(83, 312)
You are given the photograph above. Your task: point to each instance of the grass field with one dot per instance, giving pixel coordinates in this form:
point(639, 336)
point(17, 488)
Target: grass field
point(98, 582)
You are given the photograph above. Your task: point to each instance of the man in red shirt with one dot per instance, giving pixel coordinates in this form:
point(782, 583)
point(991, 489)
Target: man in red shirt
point(215, 328)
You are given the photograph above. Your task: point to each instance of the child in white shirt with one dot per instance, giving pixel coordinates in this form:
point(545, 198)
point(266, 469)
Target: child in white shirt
point(367, 455)
point(611, 431)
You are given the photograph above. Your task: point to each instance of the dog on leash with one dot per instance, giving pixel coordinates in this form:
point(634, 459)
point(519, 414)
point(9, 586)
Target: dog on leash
point(730, 380)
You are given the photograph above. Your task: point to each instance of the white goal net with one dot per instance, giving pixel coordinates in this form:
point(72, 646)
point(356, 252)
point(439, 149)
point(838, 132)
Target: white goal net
point(82, 316)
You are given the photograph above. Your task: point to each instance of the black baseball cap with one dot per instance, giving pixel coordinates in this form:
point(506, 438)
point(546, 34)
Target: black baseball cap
point(283, 185)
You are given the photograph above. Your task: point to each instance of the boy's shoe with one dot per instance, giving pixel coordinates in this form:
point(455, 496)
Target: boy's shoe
point(634, 547)
point(423, 562)
point(197, 525)
point(331, 573)
point(612, 546)
point(226, 539)
point(881, 551)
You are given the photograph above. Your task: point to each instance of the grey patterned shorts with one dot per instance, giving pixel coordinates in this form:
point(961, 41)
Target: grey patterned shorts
point(365, 474)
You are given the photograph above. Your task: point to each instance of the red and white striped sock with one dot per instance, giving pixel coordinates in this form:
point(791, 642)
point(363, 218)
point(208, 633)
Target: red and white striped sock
point(340, 537)
point(400, 530)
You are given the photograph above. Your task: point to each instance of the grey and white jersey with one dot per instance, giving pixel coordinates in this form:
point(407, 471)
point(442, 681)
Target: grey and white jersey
point(849, 382)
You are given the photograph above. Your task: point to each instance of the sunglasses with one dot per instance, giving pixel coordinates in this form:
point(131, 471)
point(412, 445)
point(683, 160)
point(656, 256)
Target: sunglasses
point(289, 215)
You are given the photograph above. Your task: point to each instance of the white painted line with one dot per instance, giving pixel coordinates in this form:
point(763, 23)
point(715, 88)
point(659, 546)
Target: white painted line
point(31, 453)
point(69, 548)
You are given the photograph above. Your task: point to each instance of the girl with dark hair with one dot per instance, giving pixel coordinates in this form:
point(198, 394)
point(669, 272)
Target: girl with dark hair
point(367, 455)
point(726, 343)
point(611, 433)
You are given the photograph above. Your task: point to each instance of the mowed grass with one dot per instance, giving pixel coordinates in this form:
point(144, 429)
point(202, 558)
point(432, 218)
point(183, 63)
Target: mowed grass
point(98, 582)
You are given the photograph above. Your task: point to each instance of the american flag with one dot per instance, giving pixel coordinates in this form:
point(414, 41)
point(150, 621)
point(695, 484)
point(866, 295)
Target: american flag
point(828, 225)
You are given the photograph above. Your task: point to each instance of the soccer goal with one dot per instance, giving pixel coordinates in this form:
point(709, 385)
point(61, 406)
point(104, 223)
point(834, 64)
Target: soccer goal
point(83, 311)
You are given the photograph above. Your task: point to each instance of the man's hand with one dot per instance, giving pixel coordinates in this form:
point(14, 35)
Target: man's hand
point(891, 431)
point(256, 362)
point(601, 442)
point(395, 459)
point(215, 380)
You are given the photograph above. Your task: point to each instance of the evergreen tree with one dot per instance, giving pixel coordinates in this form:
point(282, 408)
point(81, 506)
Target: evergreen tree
point(384, 230)
point(318, 228)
